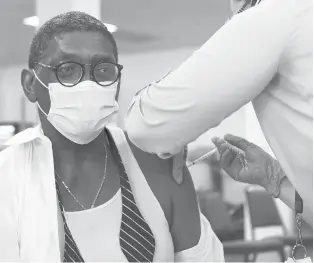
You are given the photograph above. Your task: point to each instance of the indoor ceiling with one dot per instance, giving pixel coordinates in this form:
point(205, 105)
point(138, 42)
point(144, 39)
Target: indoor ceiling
point(143, 25)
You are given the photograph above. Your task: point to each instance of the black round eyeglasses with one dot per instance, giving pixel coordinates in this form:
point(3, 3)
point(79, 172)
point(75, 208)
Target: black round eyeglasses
point(70, 74)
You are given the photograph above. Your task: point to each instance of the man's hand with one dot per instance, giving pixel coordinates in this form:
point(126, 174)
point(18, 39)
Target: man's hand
point(247, 163)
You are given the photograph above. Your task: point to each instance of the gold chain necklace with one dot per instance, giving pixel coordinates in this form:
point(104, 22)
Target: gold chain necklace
point(98, 192)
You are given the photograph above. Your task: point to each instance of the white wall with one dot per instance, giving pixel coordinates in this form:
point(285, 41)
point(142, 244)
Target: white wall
point(13, 104)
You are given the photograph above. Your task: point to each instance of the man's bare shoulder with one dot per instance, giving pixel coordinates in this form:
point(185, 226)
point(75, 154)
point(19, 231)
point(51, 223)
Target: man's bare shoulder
point(157, 172)
point(151, 164)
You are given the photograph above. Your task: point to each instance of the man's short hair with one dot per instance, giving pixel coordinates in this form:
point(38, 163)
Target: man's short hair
point(61, 24)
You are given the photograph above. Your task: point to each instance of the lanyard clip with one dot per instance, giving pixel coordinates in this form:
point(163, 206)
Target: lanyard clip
point(298, 206)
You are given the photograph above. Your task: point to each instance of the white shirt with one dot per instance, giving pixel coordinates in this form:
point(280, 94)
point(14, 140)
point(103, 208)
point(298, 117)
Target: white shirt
point(31, 227)
point(96, 231)
point(263, 55)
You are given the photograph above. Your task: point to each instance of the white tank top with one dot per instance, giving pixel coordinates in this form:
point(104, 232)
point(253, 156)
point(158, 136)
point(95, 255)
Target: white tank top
point(96, 231)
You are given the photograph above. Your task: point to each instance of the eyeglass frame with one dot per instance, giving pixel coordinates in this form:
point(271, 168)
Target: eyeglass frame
point(83, 66)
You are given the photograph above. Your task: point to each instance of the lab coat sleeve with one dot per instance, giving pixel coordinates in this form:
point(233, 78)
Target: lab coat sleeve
point(228, 71)
point(208, 249)
point(9, 245)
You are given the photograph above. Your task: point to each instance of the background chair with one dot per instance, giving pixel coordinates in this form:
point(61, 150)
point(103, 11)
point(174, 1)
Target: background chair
point(262, 218)
point(262, 222)
point(219, 214)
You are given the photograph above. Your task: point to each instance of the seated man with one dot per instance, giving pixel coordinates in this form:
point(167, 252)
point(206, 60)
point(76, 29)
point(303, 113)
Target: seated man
point(74, 189)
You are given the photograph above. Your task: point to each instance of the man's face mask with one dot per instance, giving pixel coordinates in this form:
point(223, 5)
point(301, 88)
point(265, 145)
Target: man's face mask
point(81, 112)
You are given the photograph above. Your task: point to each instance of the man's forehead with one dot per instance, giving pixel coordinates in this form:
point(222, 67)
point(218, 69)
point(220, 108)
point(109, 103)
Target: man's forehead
point(80, 45)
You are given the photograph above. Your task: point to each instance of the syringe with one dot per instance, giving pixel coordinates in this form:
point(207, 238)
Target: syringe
point(205, 156)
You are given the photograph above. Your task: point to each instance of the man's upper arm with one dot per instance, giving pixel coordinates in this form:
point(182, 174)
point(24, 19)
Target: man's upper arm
point(227, 72)
point(185, 228)
point(178, 201)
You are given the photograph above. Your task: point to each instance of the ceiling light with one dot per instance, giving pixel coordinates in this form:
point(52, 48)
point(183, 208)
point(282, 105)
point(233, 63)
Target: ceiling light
point(34, 22)
point(111, 28)
point(31, 21)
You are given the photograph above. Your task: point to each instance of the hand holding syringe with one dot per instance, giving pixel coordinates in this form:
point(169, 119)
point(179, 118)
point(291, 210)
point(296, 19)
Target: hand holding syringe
point(212, 153)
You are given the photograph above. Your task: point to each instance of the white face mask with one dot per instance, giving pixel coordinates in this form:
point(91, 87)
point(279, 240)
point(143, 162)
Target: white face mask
point(81, 112)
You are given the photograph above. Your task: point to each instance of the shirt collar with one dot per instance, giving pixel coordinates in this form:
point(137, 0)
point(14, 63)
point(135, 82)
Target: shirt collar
point(27, 135)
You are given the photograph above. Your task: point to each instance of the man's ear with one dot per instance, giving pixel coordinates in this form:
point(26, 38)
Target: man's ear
point(28, 84)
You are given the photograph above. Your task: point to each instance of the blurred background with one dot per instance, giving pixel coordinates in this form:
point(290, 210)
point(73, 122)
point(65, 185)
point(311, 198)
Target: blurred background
point(154, 37)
